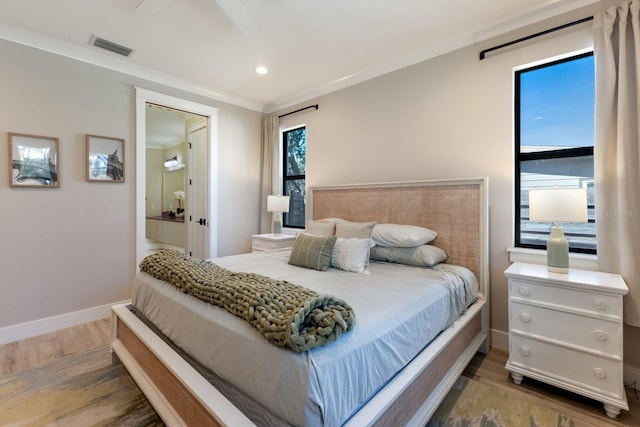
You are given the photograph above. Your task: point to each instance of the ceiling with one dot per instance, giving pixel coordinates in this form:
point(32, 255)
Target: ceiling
point(165, 127)
point(311, 47)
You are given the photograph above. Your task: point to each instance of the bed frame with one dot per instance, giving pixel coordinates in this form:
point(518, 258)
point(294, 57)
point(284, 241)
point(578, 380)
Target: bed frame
point(456, 209)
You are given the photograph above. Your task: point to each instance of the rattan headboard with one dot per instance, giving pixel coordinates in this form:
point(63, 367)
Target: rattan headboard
point(456, 209)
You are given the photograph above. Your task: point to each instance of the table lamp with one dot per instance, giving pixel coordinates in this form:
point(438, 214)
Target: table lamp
point(558, 205)
point(277, 205)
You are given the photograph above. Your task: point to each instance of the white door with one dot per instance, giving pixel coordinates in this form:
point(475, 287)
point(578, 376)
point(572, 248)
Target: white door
point(196, 215)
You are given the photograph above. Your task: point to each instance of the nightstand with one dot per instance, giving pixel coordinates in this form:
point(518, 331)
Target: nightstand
point(566, 330)
point(269, 242)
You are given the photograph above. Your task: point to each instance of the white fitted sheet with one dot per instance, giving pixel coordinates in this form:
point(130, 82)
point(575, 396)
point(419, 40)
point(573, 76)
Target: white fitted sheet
point(399, 310)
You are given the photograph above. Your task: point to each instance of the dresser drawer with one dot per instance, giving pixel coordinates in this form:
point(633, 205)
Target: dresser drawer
point(270, 242)
point(593, 302)
point(584, 331)
point(567, 366)
point(263, 245)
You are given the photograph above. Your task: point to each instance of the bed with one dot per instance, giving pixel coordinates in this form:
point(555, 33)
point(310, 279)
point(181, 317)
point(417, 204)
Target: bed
point(402, 389)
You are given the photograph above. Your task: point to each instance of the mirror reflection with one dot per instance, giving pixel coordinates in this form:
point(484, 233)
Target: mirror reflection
point(166, 156)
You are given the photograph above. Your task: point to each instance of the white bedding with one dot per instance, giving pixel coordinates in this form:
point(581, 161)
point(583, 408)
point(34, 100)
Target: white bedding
point(399, 310)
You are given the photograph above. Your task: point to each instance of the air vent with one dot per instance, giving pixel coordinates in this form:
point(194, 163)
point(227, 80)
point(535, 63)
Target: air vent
point(110, 46)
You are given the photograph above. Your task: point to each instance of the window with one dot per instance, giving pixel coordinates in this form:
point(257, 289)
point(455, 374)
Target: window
point(554, 109)
point(294, 149)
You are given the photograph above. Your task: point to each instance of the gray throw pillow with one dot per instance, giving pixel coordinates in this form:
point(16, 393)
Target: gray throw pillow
point(421, 256)
point(312, 251)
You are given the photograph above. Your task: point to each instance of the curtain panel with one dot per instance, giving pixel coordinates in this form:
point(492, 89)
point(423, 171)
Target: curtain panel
point(270, 142)
point(616, 150)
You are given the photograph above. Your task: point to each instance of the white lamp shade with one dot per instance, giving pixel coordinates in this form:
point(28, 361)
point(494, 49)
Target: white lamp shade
point(558, 205)
point(278, 203)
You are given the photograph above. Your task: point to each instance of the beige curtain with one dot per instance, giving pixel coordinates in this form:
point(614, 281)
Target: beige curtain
point(616, 150)
point(269, 167)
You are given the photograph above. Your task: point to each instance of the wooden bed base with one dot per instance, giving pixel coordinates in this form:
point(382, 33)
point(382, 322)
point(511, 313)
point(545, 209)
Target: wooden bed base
point(182, 397)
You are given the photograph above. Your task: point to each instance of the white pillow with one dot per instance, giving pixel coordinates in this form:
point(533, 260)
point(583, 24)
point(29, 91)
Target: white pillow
point(360, 230)
point(401, 236)
point(321, 228)
point(350, 254)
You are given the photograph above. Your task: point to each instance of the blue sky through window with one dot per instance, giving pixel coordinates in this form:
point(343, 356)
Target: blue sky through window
point(557, 104)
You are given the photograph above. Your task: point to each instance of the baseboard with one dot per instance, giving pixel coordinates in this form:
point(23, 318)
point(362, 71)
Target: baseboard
point(499, 340)
point(34, 328)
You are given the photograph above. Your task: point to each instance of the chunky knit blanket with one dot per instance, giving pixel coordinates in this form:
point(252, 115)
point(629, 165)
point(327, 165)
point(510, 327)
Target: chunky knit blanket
point(287, 315)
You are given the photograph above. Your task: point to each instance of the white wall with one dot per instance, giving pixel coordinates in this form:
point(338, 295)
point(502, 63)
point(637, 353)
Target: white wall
point(73, 248)
point(448, 117)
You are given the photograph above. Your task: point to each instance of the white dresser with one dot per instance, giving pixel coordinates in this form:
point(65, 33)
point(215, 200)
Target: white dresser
point(269, 242)
point(566, 330)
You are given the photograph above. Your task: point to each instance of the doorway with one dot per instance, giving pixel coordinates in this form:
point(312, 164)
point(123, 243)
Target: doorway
point(206, 202)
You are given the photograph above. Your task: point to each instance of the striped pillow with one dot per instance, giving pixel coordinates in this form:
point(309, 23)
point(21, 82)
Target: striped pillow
point(312, 251)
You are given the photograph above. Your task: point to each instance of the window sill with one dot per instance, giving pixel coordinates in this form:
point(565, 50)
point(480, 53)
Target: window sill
point(537, 256)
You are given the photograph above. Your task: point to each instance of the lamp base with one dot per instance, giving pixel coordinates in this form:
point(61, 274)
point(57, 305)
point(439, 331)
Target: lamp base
point(561, 270)
point(557, 251)
point(277, 223)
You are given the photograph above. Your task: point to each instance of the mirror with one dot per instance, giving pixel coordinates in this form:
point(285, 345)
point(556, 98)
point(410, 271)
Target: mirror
point(173, 194)
point(166, 158)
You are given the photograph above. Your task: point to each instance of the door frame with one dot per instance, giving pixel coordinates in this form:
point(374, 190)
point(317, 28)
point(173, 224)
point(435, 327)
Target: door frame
point(143, 96)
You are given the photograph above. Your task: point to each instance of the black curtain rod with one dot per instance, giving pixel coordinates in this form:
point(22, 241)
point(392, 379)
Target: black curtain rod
point(297, 111)
point(542, 33)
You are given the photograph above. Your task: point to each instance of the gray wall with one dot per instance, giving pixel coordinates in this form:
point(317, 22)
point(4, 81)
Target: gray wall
point(448, 117)
point(73, 248)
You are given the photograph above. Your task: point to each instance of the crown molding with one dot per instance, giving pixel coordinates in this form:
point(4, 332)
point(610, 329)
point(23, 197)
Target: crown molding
point(119, 65)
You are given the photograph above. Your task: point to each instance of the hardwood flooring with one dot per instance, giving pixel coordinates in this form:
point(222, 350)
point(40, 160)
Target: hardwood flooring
point(38, 351)
point(488, 369)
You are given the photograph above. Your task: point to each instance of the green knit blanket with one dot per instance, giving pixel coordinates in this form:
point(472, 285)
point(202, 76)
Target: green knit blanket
point(287, 315)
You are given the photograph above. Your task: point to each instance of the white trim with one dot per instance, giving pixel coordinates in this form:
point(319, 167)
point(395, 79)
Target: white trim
point(142, 97)
point(499, 340)
point(34, 328)
point(539, 256)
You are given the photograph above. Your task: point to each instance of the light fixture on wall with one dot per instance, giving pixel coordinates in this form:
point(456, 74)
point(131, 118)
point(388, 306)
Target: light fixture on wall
point(171, 162)
point(277, 205)
point(558, 205)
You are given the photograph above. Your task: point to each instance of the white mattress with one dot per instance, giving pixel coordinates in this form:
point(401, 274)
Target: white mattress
point(399, 310)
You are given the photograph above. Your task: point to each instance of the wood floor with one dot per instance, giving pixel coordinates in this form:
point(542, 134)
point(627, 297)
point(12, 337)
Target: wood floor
point(488, 369)
point(43, 349)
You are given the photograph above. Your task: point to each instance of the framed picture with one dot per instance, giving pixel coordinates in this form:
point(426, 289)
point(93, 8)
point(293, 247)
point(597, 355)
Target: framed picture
point(33, 161)
point(105, 159)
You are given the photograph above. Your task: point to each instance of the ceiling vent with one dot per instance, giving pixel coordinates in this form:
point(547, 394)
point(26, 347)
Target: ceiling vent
point(110, 46)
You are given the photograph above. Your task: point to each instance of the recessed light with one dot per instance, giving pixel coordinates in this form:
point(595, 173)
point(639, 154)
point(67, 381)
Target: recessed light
point(261, 69)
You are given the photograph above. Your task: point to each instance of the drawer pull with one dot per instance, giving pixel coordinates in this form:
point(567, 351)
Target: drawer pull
point(600, 335)
point(525, 351)
point(599, 304)
point(525, 317)
point(523, 291)
point(600, 373)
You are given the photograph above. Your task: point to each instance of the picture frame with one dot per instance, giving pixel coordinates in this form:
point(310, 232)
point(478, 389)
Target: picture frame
point(105, 159)
point(34, 161)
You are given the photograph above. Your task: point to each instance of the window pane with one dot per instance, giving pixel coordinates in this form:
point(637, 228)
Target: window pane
point(572, 172)
point(295, 190)
point(557, 105)
point(295, 147)
point(554, 143)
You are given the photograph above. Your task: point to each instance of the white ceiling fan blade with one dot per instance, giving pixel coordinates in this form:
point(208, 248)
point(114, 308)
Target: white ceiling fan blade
point(239, 15)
